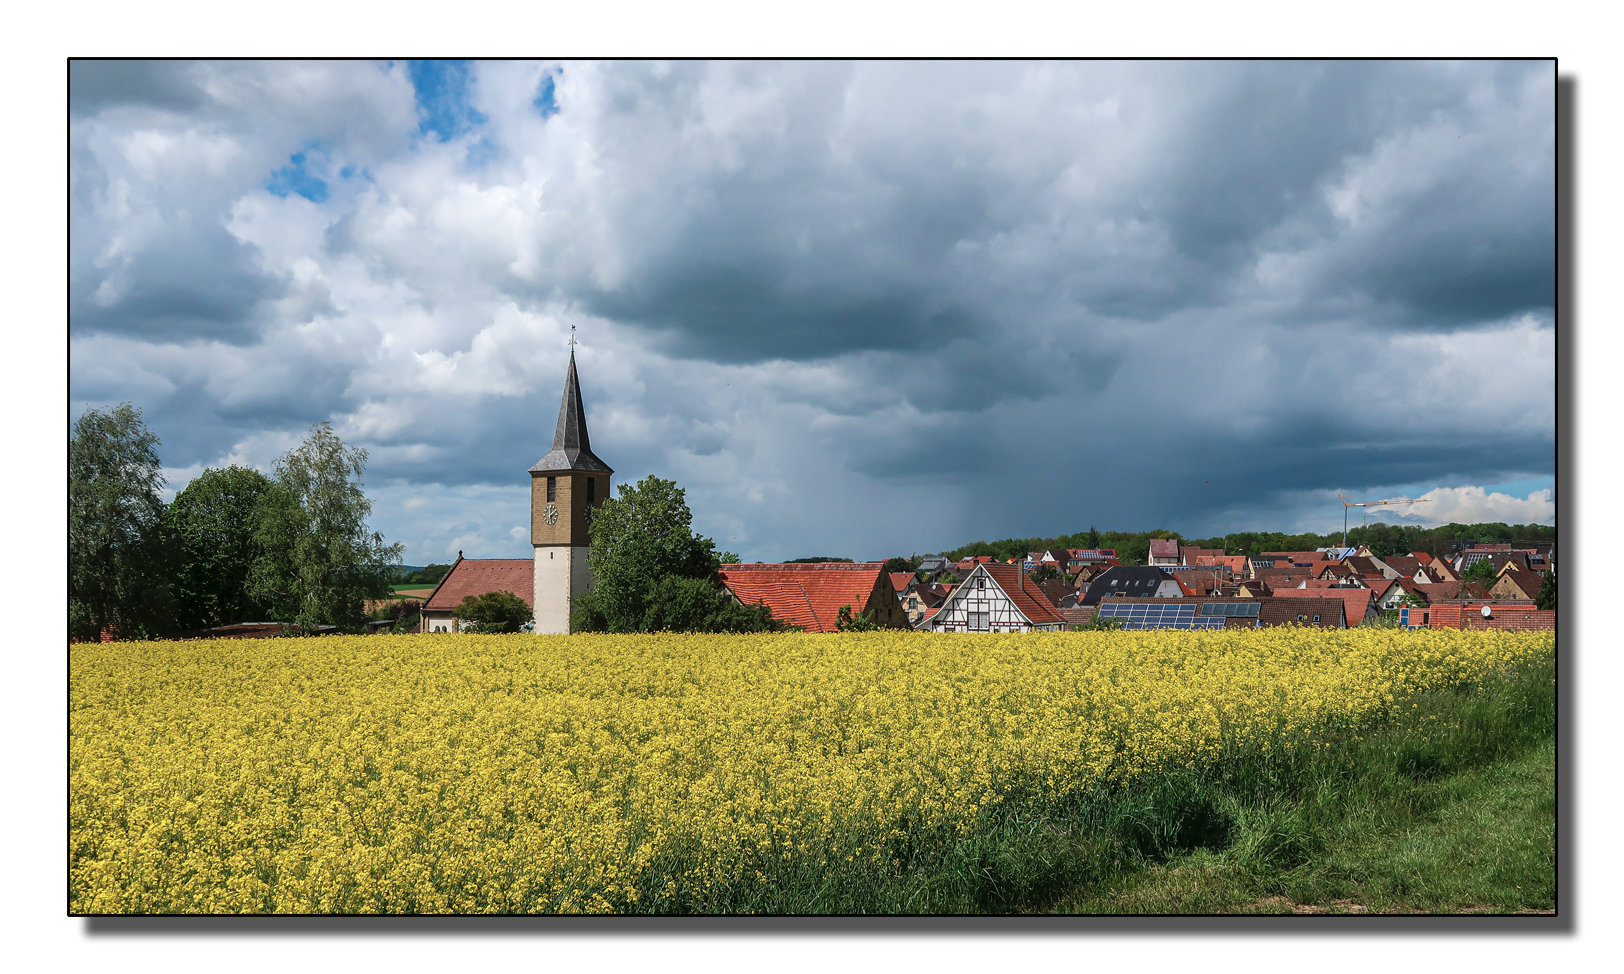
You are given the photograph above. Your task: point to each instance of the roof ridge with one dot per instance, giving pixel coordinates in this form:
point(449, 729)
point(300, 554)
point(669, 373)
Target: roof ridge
point(809, 606)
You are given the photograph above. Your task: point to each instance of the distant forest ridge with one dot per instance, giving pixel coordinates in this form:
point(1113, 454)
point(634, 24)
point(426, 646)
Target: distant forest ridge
point(1383, 539)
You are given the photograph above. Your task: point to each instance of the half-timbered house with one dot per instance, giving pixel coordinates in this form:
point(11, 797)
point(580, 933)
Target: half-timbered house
point(995, 598)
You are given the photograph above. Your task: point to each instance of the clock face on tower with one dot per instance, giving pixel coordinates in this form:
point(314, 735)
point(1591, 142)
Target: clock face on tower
point(550, 513)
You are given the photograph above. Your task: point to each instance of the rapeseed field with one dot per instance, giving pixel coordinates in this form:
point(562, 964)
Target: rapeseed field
point(690, 773)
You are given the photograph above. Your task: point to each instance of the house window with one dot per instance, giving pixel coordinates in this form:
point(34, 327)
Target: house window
point(981, 583)
point(913, 602)
point(552, 489)
point(1316, 618)
point(591, 490)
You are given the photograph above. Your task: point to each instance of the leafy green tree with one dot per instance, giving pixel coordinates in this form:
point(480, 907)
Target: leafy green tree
point(845, 622)
point(679, 604)
point(898, 564)
point(1546, 597)
point(117, 569)
point(210, 527)
point(1093, 538)
point(1482, 572)
point(319, 561)
point(638, 540)
point(729, 558)
point(1045, 572)
point(493, 612)
point(428, 575)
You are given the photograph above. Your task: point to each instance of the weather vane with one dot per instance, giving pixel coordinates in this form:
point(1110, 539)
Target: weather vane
point(572, 338)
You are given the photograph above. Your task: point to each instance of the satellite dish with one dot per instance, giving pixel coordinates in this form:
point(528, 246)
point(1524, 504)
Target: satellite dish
point(1486, 613)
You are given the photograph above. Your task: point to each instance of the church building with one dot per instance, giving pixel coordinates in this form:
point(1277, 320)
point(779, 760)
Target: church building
point(565, 486)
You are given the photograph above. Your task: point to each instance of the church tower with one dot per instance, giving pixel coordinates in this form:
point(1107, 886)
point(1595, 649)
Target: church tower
point(564, 486)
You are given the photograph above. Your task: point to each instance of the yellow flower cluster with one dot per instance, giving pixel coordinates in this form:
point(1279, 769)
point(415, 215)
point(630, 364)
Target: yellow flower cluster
point(604, 773)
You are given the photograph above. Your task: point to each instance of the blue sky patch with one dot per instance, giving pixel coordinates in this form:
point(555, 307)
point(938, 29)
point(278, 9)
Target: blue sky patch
point(443, 107)
point(545, 102)
point(294, 179)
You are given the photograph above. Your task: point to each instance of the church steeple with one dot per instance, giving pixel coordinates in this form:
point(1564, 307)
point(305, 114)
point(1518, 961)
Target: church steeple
point(566, 486)
point(572, 450)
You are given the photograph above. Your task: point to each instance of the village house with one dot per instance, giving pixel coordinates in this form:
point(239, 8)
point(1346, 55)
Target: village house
point(1355, 601)
point(1514, 584)
point(995, 598)
point(1131, 581)
point(1092, 559)
point(1163, 551)
point(475, 577)
point(810, 595)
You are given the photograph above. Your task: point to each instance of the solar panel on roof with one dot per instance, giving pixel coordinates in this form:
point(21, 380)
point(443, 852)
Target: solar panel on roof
point(1143, 616)
point(1230, 609)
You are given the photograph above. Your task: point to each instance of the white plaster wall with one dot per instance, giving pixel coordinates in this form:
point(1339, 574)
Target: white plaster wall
point(560, 573)
point(551, 597)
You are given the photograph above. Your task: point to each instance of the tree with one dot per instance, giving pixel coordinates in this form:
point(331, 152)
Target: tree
point(116, 565)
point(729, 558)
point(1482, 572)
point(897, 565)
point(844, 622)
point(680, 604)
point(1093, 537)
point(428, 575)
point(493, 612)
point(319, 560)
point(1546, 597)
point(1045, 572)
point(210, 528)
point(638, 539)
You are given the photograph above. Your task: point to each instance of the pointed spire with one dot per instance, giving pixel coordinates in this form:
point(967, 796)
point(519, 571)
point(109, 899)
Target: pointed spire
point(572, 450)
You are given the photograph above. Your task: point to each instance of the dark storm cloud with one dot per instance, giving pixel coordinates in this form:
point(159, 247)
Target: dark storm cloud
point(94, 84)
point(831, 237)
point(1035, 296)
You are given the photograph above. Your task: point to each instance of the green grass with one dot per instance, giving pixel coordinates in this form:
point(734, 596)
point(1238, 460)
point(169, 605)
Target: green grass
point(1450, 809)
point(1481, 840)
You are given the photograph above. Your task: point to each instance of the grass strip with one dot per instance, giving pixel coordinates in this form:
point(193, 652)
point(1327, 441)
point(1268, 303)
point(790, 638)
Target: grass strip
point(1449, 809)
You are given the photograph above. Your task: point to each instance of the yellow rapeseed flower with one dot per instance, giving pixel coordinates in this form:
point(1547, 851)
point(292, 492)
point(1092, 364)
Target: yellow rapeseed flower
point(403, 774)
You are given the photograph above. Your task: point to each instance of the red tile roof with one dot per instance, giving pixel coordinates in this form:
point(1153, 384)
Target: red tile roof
point(1303, 556)
point(477, 576)
point(900, 580)
point(1528, 582)
point(807, 595)
point(1354, 600)
point(1403, 564)
point(1164, 548)
point(1026, 596)
point(1452, 590)
point(1379, 586)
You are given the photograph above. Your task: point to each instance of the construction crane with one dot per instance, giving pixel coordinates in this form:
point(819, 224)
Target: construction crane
point(1346, 505)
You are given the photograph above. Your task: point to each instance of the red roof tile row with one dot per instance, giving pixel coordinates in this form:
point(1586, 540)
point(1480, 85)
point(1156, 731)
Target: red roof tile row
point(477, 576)
point(806, 595)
